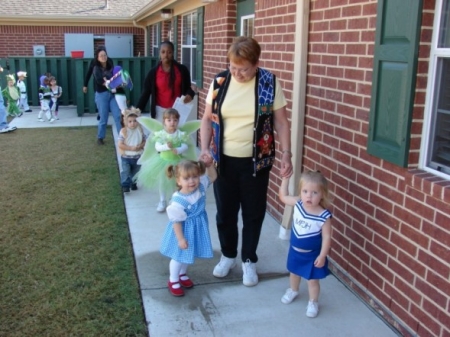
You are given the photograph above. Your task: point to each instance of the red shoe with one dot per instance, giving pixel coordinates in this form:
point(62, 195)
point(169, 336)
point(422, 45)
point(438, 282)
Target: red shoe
point(186, 283)
point(175, 291)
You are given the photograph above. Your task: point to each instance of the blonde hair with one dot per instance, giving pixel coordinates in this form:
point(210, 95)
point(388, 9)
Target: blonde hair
point(243, 49)
point(170, 113)
point(316, 177)
point(186, 168)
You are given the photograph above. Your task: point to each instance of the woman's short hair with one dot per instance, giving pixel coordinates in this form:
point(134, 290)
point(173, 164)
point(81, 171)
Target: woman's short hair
point(243, 49)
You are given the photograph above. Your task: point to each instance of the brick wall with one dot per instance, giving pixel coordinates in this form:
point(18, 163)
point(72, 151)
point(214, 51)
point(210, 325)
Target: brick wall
point(21, 39)
point(391, 227)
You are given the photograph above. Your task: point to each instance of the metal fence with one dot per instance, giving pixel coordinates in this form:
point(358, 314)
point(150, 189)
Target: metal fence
point(70, 73)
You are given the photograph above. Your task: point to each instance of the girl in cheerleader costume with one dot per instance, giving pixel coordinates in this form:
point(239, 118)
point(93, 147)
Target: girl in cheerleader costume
point(12, 95)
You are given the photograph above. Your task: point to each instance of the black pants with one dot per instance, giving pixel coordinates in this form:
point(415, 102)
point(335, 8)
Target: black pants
point(236, 188)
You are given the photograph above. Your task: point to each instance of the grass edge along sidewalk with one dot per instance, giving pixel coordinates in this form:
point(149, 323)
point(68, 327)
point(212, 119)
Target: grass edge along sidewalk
point(67, 261)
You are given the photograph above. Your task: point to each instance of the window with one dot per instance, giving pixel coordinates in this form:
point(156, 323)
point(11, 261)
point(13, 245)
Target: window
point(189, 43)
point(155, 40)
point(436, 132)
point(247, 23)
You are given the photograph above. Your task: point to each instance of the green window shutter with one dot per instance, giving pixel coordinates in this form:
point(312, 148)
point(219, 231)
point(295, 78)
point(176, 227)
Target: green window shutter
point(199, 60)
point(394, 79)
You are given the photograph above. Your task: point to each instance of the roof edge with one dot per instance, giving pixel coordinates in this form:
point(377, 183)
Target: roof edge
point(65, 21)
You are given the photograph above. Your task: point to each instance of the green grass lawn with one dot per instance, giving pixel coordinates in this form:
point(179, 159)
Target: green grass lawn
point(67, 265)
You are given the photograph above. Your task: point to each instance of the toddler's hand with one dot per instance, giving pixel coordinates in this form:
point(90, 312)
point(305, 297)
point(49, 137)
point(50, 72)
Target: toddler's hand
point(174, 151)
point(320, 261)
point(182, 244)
point(170, 145)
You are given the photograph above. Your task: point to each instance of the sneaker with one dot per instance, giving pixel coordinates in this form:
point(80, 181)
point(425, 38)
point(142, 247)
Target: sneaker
point(250, 278)
point(20, 115)
point(40, 120)
point(29, 110)
point(11, 128)
point(312, 309)
point(223, 267)
point(125, 189)
point(175, 289)
point(4, 130)
point(52, 120)
point(289, 296)
point(161, 206)
point(134, 187)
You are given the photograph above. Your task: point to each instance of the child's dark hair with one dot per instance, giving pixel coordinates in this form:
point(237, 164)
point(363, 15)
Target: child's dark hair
point(186, 168)
point(170, 112)
point(318, 178)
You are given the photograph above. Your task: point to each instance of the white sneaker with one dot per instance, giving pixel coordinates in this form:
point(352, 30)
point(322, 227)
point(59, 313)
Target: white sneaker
point(250, 278)
point(312, 310)
point(40, 120)
point(223, 267)
point(161, 206)
point(289, 296)
point(52, 120)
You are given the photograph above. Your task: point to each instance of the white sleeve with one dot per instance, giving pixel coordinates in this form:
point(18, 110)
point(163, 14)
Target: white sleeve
point(176, 212)
point(160, 147)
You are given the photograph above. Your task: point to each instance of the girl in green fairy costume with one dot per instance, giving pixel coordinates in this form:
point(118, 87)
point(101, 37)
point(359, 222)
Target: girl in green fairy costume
point(12, 94)
point(168, 145)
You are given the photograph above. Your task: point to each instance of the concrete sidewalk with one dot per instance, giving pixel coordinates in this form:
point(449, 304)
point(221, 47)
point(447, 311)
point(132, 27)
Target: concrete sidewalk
point(224, 307)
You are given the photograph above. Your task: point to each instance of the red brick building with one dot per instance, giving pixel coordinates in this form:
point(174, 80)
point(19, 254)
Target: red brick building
point(366, 83)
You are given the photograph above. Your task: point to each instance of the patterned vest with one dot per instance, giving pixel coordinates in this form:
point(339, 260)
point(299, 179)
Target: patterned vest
point(263, 136)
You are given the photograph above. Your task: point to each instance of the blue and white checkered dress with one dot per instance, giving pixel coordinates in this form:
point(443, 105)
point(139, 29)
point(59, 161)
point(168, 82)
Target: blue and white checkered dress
point(189, 209)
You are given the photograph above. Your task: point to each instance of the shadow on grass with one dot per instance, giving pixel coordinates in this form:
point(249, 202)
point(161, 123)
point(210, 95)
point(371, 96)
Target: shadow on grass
point(67, 261)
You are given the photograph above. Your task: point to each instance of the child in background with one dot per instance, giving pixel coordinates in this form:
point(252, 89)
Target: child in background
point(131, 142)
point(310, 237)
point(12, 94)
point(21, 75)
point(170, 143)
point(56, 94)
point(187, 233)
point(45, 96)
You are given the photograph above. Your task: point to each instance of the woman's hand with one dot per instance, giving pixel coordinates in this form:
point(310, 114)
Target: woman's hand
point(286, 165)
point(187, 99)
point(206, 157)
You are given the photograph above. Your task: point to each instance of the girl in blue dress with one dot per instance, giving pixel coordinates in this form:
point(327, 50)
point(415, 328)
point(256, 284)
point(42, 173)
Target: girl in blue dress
point(310, 237)
point(187, 233)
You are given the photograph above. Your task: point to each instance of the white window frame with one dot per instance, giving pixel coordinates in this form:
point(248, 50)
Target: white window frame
point(155, 40)
point(243, 24)
point(192, 47)
point(435, 55)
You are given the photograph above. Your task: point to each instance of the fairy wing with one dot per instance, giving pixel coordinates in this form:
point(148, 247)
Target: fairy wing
point(190, 127)
point(153, 126)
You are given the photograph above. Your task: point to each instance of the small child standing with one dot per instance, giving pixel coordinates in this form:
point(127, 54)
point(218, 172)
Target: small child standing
point(170, 145)
point(12, 94)
point(21, 75)
point(310, 237)
point(56, 94)
point(45, 96)
point(187, 233)
point(131, 142)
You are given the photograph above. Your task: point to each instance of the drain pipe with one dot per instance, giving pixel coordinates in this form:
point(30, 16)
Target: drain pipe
point(145, 35)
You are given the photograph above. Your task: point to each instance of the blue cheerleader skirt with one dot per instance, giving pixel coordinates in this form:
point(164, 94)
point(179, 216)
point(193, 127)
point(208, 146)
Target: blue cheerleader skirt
point(302, 264)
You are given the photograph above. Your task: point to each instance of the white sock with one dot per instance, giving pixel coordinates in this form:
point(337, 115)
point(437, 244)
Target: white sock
point(174, 268)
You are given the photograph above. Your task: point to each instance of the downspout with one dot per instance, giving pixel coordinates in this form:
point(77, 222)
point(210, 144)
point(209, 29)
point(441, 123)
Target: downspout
point(298, 104)
point(145, 35)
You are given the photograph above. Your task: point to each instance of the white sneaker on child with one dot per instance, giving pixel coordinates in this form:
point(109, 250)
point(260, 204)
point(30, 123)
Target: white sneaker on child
point(312, 310)
point(250, 277)
point(223, 267)
point(161, 206)
point(40, 120)
point(51, 120)
point(289, 296)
